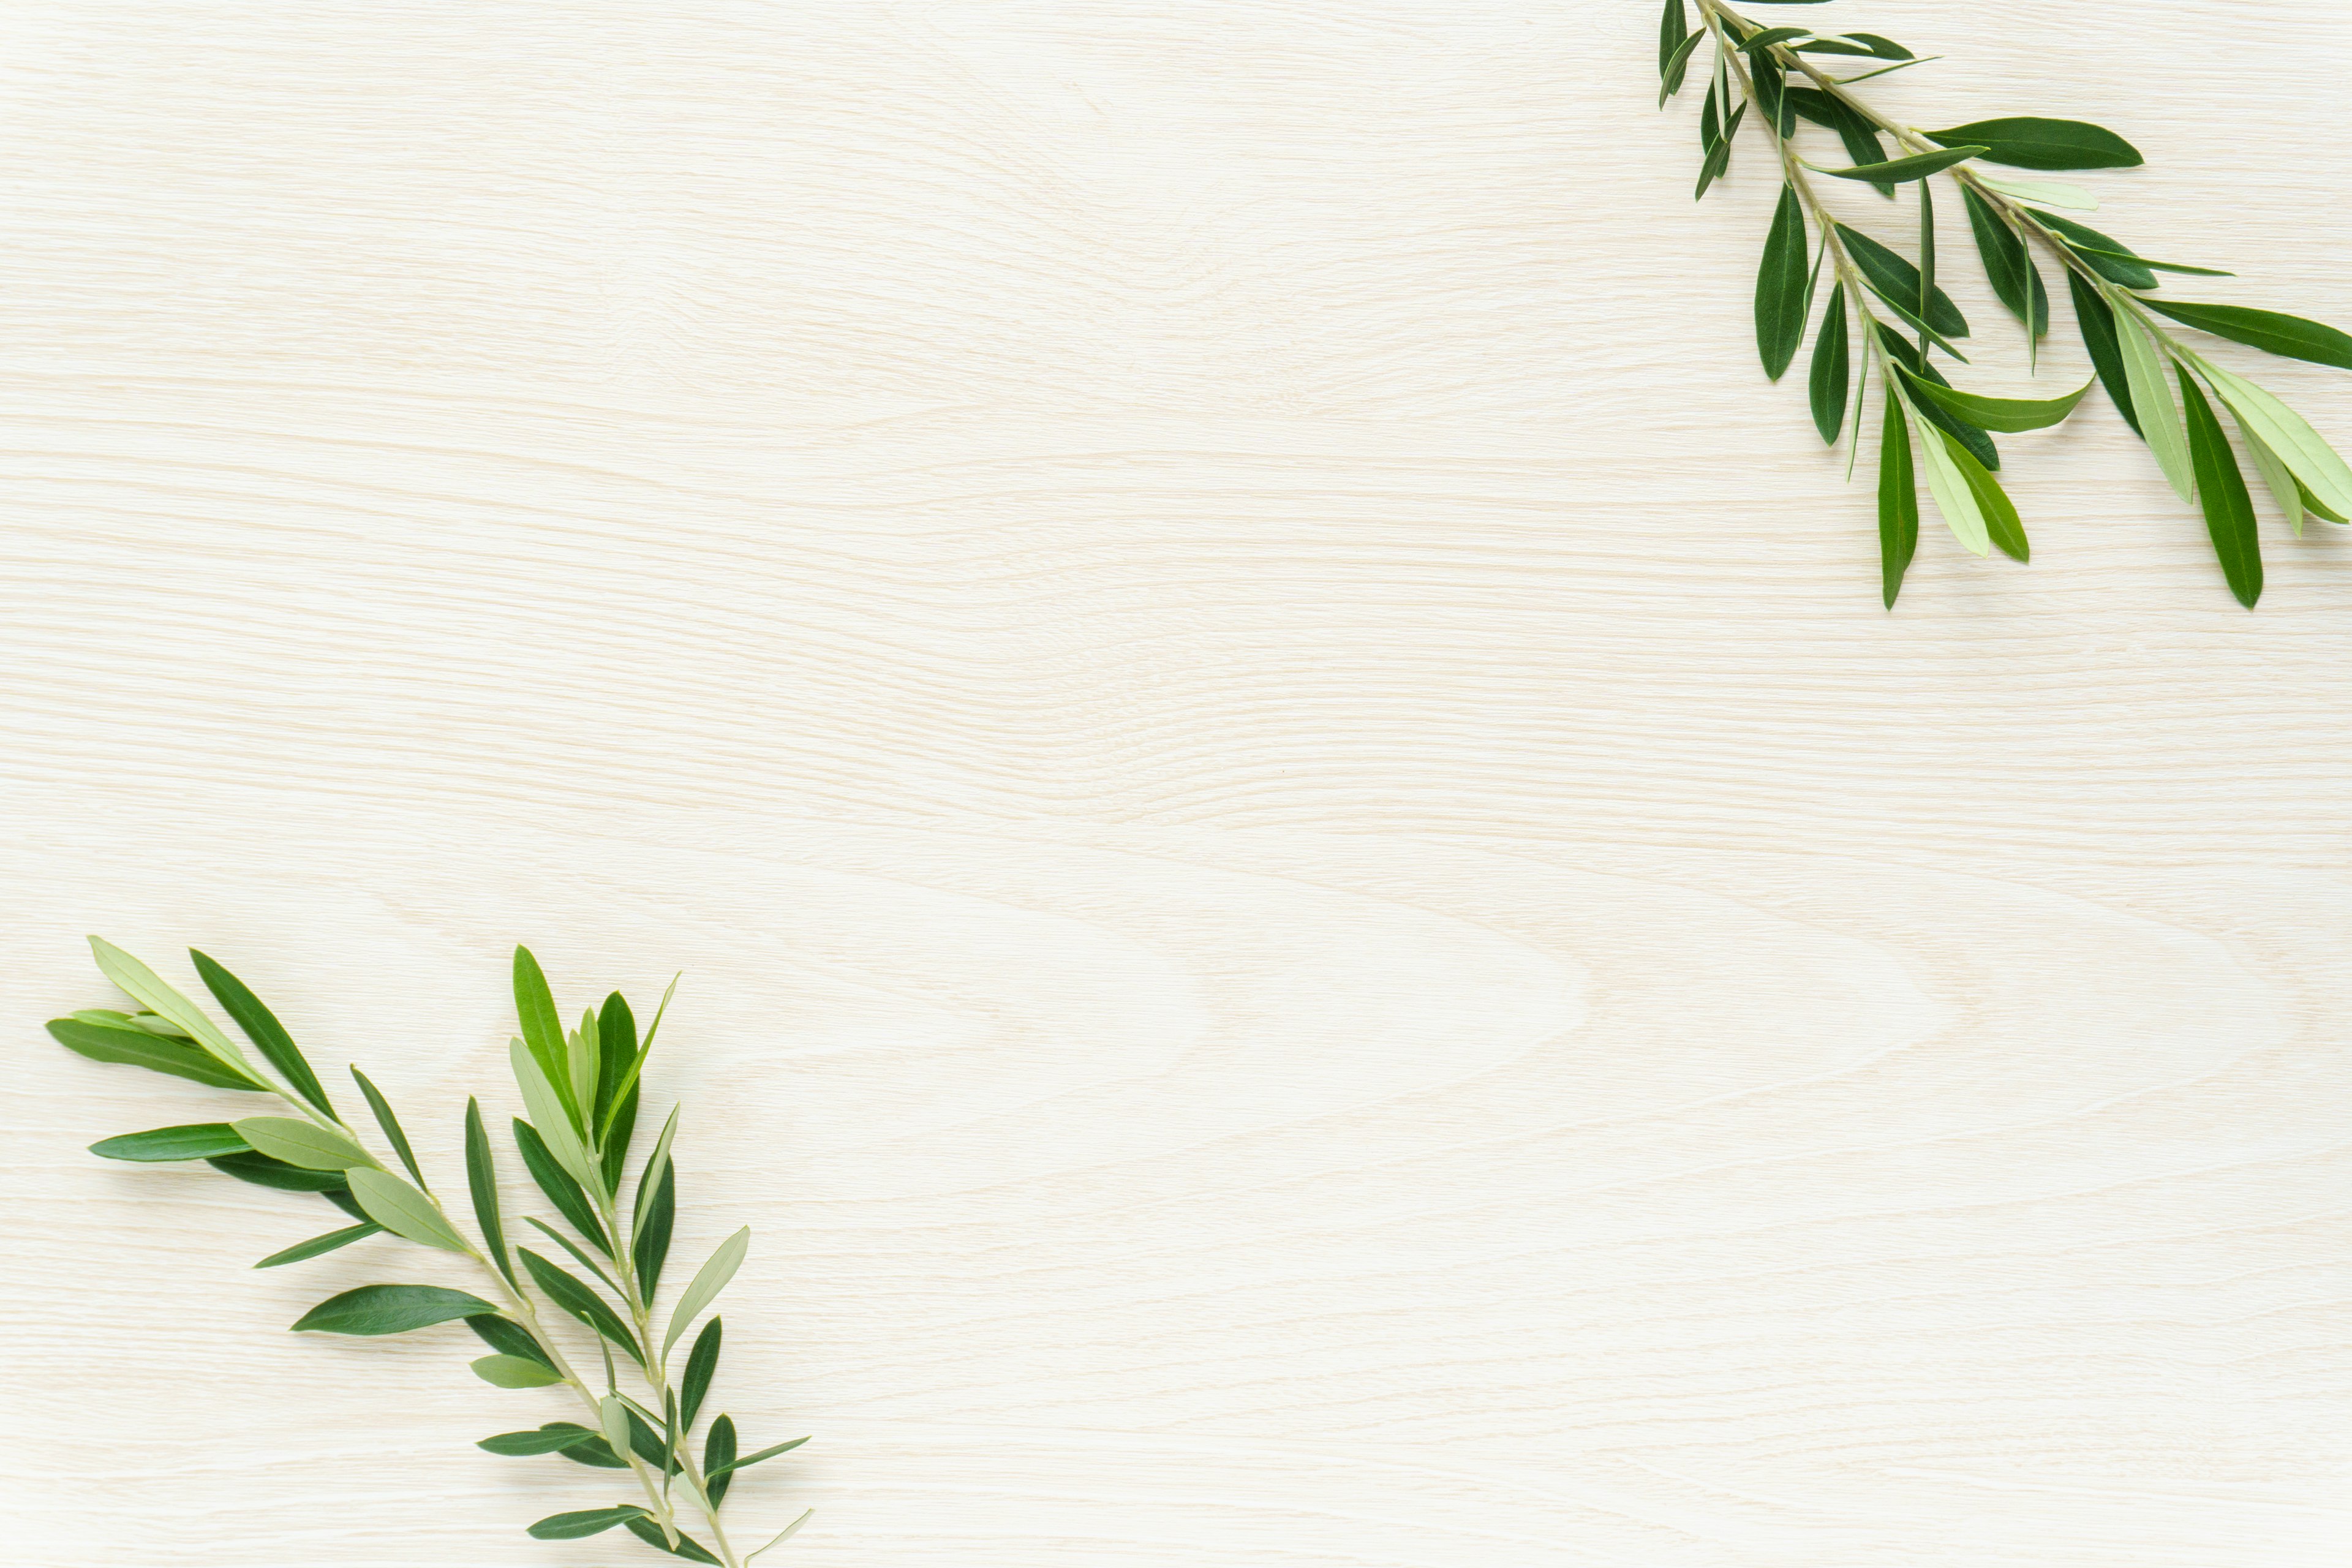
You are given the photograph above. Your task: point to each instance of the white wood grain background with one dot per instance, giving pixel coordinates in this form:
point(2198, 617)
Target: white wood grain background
point(1325, 928)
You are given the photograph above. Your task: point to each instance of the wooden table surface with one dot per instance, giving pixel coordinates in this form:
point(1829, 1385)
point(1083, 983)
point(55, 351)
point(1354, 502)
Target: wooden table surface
point(1324, 926)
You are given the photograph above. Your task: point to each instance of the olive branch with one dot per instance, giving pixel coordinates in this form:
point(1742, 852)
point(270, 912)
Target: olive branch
point(1928, 427)
point(581, 1088)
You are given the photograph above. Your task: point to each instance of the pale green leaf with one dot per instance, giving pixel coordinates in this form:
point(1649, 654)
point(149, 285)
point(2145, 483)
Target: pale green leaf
point(1955, 497)
point(403, 1211)
point(2289, 435)
point(709, 1281)
point(302, 1143)
point(134, 979)
point(550, 1118)
point(2152, 401)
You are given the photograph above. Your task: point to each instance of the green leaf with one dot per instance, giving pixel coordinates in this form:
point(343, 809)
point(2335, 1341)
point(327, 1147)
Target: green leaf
point(2228, 510)
point(302, 1251)
point(262, 1028)
point(1770, 82)
point(586, 1523)
point(583, 1061)
point(482, 1181)
point(1780, 287)
point(294, 1142)
point(2004, 414)
point(1896, 280)
point(200, 1141)
point(391, 1125)
point(1860, 137)
point(1718, 156)
point(1899, 500)
point(1979, 444)
point(2159, 418)
point(649, 1179)
point(550, 1116)
point(2103, 254)
point(2002, 525)
point(652, 1246)
point(2312, 504)
point(513, 1371)
point(748, 1461)
point(264, 1172)
point(2277, 478)
point(701, 1365)
point(2268, 331)
point(2015, 280)
point(1897, 171)
point(1956, 498)
point(1867, 45)
point(693, 1551)
point(1677, 67)
point(1827, 384)
point(2027, 142)
point(561, 1189)
point(542, 1030)
point(614, 1417)
point(616, 1034)
point(1769, 36)
point(2042, 192)
point(390, 1310)
point(2092, 252)
point(552, 1438)
point(1674, 32)
point(579, 1300)
point(2098, 322)
point(339, 1195)
point(509, 1338)
point(136, 980)
point(403, 1211)
point(785, 1534)
point(578, 1256)
point(709, 1281)
point(2323, 475)
point(719, 1459)
point(137, 1047)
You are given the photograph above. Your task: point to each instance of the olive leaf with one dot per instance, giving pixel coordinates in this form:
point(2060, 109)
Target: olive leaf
point(2016, 282)
point(390, 1123)
point(303, 1143)
point(137, 981)
point(2228, 510)
point(373, 1310)
point(585, 1522)
point(514, 1372)
point(1780, 302)
point(402, 1210)
point(482, 1184)
point(1899, 500)
point(1827, 382)
point(262, 1028)
point(709, 1281)
point(2159, 418)
point(302, 1251)
point(701, 1365)
point(200, 1141)
point(138, 1047)
point(562, 1190)
point(1897, 171)
point(2290, 336)
point(2026, 142)
point(2005, 413)
point(2098, 322)
point(2326, 481)
point(579, 1300)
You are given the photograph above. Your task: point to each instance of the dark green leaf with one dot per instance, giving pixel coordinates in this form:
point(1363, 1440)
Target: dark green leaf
point(578, 1257)
point(1860, 136)
point(1869, 45)
point(2094, 252)
point(2002, 525)
point(620, 1127)
point(652, 1248)
point(2222, 490)
point(646, 1530)
point(264, 1172)
point(1771, 85)
point(1674, 31)
point(391, 1310)
point(2005, 413)
point(719, 1457)
point(2266, 330)
point(557, 1184)
point(514, 1372)
point(2012, 271)
point(1979, 444)
point(1780, 287)
point(1828, 384)
point(137, 1047)
point(748, 1460)
point(596, 1454)
point(2100, 252)
point(2026, 142)
point(701, 1365)
point(1896, 171)
point(508, 1337)
point(1899, 500)
point(2098, 322)
point(1678, 67)
point(582, 1302)
point(616, 1029)
point(1767, 36)
point(482, 1178)
point(262, 1028)
point(391, 1125)
point(1718, 157)
point(1923, 303)
point(341, 1198)
point(551, 1438)
point(301, 1251)
point(1897, 281)
point(587, 1521)
point(201, 1141)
